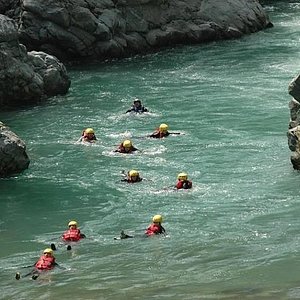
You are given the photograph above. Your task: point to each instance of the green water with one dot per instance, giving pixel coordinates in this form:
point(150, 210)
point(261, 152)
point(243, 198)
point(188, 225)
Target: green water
point(235, 235)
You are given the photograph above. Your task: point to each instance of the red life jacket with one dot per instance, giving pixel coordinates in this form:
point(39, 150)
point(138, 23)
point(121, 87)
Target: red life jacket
point(72, 235)
point(184, 184)
point(45, 263)
point(154, 229)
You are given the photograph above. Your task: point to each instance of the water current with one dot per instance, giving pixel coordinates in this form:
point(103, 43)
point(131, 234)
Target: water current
point(235, 235)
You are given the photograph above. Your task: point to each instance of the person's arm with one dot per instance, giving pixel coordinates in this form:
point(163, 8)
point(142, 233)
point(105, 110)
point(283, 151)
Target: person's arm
point(155, 134)
point(129, 110)
point(59, 266)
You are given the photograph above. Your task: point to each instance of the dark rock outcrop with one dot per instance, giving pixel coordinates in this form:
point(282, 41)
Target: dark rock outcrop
point(13, 157)
point(293, 133)
point(26, 78)
point(90, 29)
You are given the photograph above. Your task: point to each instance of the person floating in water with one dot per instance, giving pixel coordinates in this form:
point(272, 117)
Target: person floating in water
point(162, 131)
point(137, 107)
point(88, 135)
point(73, 234)
point(126, 147)
point(132, 176)
point(45, 263)
point(183, 182)
point(155, 227)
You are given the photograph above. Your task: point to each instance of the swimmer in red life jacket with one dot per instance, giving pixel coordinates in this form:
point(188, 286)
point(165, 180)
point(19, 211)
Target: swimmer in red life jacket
point(132, 176)
point(155, 227)
point(183, 182)
point(73, 234)
point(88, 135)
point(126, 147)
point(45, 263)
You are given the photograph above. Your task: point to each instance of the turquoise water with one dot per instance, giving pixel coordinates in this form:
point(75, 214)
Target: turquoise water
point(235, 235)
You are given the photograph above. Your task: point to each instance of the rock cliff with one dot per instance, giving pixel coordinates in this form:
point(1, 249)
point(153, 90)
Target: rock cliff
point(102, 29)
point(26, 77)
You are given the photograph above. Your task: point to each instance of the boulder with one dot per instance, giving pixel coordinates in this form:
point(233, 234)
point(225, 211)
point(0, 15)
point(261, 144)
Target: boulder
point(13, 157)
point(26, 78)
point(294, 88)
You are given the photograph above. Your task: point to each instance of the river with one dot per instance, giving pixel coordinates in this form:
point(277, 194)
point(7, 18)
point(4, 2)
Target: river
point(235, 235)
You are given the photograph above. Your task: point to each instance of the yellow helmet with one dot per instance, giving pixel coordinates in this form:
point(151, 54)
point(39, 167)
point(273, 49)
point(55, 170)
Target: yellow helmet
point(157, 219)
point(72, 223)
point(48, 250)
point(163, 127)
point(133, 173)
point(127, 144)
point(182, 176)
point(89, 130)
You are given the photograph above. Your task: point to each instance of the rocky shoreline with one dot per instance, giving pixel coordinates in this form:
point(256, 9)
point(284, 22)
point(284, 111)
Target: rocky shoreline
point(104, 29)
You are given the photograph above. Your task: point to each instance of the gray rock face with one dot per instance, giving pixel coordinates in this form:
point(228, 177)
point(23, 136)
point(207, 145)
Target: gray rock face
point(294, 88)
point(293, 133)
point(101, 29)
point(13, 157)
point(26, 78)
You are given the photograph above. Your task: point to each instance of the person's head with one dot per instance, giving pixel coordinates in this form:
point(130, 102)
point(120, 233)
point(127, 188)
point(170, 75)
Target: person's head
point(134, 175)
point(137, 102)
point(157, 219)
point(163, 127)
point(48, 252)
point(72, 225)
point(127, 145)
point(89, 132)
point(182, 176)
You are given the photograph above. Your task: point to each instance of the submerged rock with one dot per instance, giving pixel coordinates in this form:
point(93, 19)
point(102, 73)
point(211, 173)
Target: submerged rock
point(26, 78)
point(89, 29)
point(13, 156)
